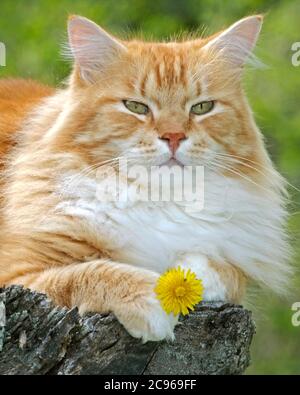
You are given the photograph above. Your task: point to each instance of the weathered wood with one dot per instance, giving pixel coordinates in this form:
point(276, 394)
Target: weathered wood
point(39, 338)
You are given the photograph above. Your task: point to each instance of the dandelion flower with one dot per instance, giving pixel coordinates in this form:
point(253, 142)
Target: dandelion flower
point(179, 291)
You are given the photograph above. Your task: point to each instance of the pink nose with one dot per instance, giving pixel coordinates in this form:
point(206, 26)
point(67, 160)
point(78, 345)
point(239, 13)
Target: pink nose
point(173, 140)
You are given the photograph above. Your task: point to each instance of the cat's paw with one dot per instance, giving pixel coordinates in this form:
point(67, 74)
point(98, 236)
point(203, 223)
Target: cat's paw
point(145, 319)
point(214, 288)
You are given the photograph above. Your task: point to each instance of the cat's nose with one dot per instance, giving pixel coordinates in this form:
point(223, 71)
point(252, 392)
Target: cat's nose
point(173, 139)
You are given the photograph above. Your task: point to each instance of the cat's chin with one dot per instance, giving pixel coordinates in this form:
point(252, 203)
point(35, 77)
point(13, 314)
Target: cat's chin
point(172, 162)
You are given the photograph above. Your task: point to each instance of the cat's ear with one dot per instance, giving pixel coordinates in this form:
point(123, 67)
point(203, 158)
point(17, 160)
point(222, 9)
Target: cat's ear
point(237, 42)
point(92, 48)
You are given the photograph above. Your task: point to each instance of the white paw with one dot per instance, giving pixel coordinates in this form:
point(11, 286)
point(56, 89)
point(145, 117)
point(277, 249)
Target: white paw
point(214, 289)
point(147, 320)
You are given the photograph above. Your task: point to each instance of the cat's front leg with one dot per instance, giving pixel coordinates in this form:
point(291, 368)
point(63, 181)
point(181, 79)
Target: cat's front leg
point(105, 286)
point(221, 281)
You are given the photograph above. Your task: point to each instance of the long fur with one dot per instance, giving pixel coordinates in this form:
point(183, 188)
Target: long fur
point(58, 237)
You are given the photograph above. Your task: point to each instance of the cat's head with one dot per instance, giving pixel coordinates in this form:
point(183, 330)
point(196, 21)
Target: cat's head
point(152, 102)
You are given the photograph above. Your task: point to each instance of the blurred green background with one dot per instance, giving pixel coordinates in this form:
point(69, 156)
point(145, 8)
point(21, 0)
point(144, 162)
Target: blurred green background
point(34, 30)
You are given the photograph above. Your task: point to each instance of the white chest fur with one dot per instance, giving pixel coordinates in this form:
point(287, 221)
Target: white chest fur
point(237, 224)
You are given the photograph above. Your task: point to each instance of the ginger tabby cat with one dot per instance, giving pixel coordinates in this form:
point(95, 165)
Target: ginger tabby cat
point(151, 103)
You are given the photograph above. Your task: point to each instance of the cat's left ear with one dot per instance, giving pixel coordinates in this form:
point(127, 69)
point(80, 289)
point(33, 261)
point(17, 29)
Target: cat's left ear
point(92, 48)
point(237, 42)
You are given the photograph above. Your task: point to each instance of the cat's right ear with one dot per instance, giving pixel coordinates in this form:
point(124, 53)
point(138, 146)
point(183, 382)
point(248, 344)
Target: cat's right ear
point(91, 47)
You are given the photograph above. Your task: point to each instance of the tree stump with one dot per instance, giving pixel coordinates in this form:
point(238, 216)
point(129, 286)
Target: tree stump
point(37, 337)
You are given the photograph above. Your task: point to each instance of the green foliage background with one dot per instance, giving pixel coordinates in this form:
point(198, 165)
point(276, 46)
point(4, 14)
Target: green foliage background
point(33, 32)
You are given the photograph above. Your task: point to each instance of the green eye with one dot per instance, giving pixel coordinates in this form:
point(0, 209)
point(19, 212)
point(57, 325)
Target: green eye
point(203, 108)
point(136, 107)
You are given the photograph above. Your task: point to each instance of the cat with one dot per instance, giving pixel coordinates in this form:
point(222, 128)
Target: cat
point(177, 103)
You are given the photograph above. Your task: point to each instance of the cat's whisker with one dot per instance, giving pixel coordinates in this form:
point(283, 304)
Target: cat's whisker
point(114, 163)
point(243, 176)
point(240, 160)
point(288, 198)
point(96, 165)
point(73, 181)
point(235, 156)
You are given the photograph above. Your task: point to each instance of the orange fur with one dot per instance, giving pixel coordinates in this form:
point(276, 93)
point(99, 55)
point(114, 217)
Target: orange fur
point(17, 98)
point(59, 254)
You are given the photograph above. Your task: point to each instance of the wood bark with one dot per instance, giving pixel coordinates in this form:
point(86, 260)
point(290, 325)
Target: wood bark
point(37, 337)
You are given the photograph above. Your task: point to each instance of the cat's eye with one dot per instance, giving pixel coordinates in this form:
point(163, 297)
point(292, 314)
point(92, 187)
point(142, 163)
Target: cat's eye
point(136, 107)
point(203, 107)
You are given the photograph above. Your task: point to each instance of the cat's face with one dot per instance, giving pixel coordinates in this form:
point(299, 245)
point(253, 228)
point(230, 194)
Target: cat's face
point(154, 103)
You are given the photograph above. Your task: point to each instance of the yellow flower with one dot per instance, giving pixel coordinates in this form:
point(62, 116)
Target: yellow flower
point(178, 291)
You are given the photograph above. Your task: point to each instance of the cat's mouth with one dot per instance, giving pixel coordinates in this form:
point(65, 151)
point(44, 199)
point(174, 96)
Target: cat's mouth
point(172, 162)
